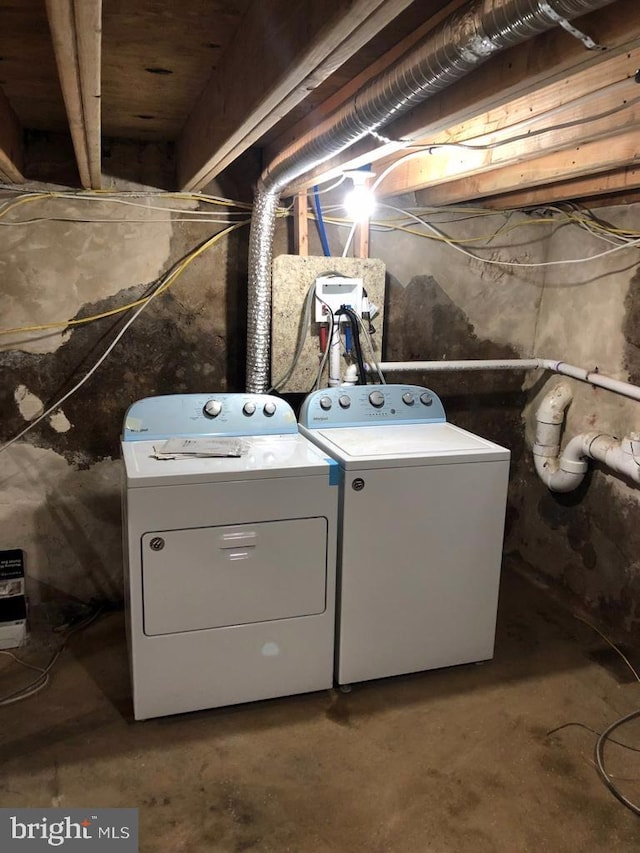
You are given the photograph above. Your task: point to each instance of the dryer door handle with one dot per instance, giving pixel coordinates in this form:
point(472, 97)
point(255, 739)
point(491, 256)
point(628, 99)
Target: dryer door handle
point(238, 539)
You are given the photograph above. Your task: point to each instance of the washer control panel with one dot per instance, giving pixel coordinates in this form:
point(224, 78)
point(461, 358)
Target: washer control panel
point(187, 415)
point(367, 405)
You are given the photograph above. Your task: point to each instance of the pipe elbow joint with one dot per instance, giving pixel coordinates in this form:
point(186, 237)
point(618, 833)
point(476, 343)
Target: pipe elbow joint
point(553, 406)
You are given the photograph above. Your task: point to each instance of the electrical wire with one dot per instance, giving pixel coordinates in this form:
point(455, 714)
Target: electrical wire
point(598, 755)
point(605, 736)
point(611, 643)
point(325, 355)
point(161, 286)
point(374, 362)
point(171, 278)
point(355, 332)
point(43, 679)
point(594, 732)
point(504, 263)
point(421, 148)
point(303, 329)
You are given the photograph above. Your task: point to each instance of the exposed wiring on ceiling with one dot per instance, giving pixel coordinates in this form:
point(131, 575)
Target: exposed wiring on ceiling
point(429, 147)
point(160, 287)
point(506, 263)
point(165, 285)
point(530, 134)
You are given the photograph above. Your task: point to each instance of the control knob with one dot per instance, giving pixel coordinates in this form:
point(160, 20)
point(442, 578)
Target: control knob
point(344, 401)
point(376, 398)
point(426, 399)
point(269, 409)
point(212, 408)
point(249, 408)
point(408, 398)
point(325, 403)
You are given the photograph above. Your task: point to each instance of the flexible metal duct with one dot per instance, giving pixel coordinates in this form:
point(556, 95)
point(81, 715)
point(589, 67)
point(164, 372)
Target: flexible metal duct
point(461, 43)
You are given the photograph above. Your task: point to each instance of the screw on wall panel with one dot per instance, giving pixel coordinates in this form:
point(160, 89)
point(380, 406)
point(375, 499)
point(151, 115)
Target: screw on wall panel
point(358, 484)
point(157, 543)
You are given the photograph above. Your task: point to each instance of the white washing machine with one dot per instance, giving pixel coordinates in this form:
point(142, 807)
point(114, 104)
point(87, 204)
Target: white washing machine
point(230, 582)
point(420, 531)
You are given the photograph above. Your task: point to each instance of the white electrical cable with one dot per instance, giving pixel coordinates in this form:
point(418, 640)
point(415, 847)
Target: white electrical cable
point(347, 245)
point(89, 373)
point(631, 244)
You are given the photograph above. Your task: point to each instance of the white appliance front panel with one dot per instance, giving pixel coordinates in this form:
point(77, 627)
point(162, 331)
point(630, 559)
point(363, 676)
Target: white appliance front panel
point(215, 577)
point(420, 567)
point(404, 445)
point(190, 670)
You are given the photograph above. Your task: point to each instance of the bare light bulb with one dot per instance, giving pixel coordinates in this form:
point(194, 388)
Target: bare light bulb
point(359, 203)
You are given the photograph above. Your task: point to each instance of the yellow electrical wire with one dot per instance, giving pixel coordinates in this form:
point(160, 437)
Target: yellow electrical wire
point(171, 278)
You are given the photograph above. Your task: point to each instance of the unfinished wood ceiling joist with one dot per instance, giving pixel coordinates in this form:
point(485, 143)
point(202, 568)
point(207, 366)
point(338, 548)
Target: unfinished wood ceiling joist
point(76, 34)
point(11, 152)
point(529, 84)
point(286, 50)
point(219, 76)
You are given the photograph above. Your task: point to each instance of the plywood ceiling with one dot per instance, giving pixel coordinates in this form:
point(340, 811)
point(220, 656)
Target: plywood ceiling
point(216, 77)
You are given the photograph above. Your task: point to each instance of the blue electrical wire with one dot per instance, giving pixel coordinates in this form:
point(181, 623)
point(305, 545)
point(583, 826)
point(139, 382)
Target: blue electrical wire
point(320, 222)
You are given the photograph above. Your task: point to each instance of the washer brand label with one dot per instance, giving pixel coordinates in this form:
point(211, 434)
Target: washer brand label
point(80, 830)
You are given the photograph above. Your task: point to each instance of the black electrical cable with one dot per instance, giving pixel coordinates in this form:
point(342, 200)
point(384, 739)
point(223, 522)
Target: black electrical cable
point(355, 333)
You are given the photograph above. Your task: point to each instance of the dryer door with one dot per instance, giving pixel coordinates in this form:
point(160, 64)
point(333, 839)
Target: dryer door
point(213, 577)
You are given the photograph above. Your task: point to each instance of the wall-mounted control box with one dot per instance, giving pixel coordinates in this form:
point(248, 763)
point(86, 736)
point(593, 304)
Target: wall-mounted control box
point(343, 281)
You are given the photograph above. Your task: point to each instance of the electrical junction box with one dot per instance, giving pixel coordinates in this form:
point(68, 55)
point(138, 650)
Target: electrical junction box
point(13, 602)
point(334, 291)
point(293, 275)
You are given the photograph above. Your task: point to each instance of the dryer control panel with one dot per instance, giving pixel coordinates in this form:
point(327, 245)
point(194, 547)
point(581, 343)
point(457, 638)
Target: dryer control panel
point(188, 415)
point(370, 405)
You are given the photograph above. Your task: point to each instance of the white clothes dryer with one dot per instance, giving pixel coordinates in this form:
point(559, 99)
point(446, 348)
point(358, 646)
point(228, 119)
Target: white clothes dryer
point(230, 580)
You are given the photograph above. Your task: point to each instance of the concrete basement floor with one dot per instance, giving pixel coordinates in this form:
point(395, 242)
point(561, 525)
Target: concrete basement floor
point(452, 760)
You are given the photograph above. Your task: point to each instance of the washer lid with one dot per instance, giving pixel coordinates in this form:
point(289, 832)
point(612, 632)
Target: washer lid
point(263, 457)
point(401, 446)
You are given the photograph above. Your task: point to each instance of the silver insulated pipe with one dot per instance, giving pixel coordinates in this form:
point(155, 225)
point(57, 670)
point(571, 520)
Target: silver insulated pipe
point(457, 46)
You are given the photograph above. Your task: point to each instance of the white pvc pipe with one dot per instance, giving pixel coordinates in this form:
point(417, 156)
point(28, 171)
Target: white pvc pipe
point(564, 473)
point(592, 377)
point(334, 356)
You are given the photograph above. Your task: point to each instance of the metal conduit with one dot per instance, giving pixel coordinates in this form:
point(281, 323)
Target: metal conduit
point(458, 45)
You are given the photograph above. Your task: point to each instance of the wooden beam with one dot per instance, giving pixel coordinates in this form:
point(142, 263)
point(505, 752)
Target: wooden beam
point(595, 186)
point(300, 225)
point(603, 155)
point(285, 50)
point(361, 240)
point(76, 29)
point(443, 165)
point(550, 60)
point(11, 151)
